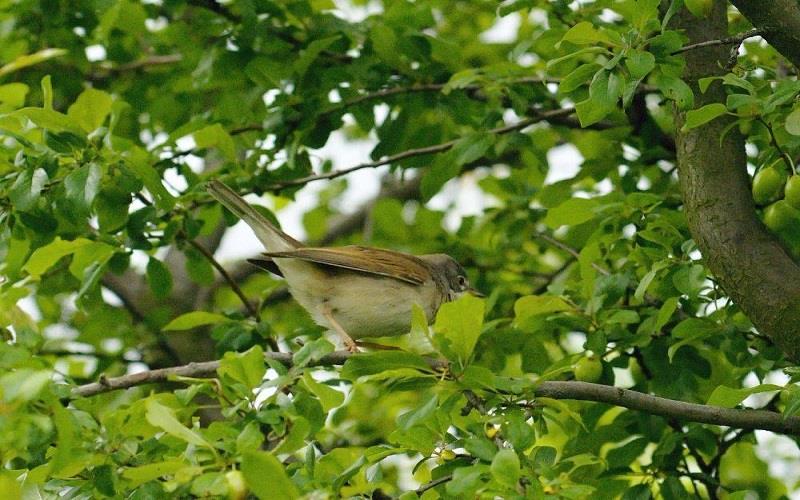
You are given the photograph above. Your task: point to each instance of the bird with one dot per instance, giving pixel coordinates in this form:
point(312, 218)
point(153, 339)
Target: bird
point(355, 291)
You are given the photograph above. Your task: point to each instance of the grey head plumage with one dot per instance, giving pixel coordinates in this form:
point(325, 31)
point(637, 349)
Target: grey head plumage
point(449, 272)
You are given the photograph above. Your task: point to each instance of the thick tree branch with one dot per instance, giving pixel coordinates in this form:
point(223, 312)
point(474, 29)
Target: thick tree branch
point(780, 22)
point(582, 391)
point(747, 260)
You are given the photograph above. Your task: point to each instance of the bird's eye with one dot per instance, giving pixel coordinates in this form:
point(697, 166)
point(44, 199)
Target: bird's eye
point(462, 282)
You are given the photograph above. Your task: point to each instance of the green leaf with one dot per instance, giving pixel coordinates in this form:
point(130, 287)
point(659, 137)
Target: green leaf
point(700, 8)
point(792, 402)
point(138, 164)
point(370, 363)
point(43, 258)
point(458, 326)
point(246, 367)
point(13, 95)
point(703, 115)
point(250, 439)
point(24, 385)
point(639, 63)
point(674, 88)
point(193, 320)
point(604, 92)
point(82, 185)
point(571, 213)
point(159, 278)
point(585, 33)
point(467, 149)
point(793, 122)
point(312, 351)
point(162, 417)
point(144, 473)
point(505, 468)
point(535, 305)
point(329, 397)
point(420, 414)
point(578, 77)
point(728, 397)
point(48, 119)
point(215, 136)
point(90, 109)
point(30, 60)
point(27, 188)
point(266, 477)
point(198, 267)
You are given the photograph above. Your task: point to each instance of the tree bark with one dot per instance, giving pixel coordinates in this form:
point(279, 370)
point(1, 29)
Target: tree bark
point(746, 259)
point(780, 22)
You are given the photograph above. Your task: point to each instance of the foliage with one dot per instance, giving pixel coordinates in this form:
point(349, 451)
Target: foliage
point(114, 114)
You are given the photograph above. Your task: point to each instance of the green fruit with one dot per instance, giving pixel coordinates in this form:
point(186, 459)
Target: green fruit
point(793, 191)
point(781, 217)
point(700, 8)
point(768, 185)
point(784, 220)
point(588, 369)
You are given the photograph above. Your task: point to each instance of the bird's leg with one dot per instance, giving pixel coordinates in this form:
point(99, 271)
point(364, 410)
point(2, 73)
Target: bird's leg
point(348, 341)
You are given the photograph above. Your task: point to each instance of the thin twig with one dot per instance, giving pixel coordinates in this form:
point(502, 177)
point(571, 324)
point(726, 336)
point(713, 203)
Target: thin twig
point(432, 87)
point(227, 277)
point(786, 158)
point(563, 246)
point(427, 150)
point(146, 62)
point(731, 40)
point(433, 484)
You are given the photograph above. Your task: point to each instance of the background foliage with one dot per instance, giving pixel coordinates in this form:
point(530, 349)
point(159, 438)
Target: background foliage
point(112, 116)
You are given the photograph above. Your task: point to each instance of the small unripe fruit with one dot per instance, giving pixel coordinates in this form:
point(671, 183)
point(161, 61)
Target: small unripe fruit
point(490, 431)
point(237, 489)
point(792, 193)
point(781, 216)
point(768, 185)
point(447, 455)
point(588, 369)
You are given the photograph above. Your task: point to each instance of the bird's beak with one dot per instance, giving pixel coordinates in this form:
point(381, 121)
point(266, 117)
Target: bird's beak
point(474, 292)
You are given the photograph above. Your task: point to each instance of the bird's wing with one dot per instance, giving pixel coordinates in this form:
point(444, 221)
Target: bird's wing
point(266, 264)
point(397, 265)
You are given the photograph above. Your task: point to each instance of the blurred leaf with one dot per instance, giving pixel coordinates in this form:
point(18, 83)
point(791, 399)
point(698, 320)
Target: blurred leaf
point(30, 60)
point(585, 33)
point(571, 213)
point(266, 477)
point(82, 185)
point(728, 397)
point(27, 187)
point(506, 468)
point(194, 319)
point(162, 417)
point(159, 278)
point(246, 367)
point(90, 109)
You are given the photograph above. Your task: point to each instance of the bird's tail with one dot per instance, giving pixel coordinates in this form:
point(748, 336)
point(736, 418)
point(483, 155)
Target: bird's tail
point(273, 239)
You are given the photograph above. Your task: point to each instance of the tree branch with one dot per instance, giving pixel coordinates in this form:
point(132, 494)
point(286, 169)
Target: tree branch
point(427, 150)
point(582, 391)
point(779, 20)
point(730, 40)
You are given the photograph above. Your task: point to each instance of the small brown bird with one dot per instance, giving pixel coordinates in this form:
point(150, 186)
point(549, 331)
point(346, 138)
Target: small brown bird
point(355, 291)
